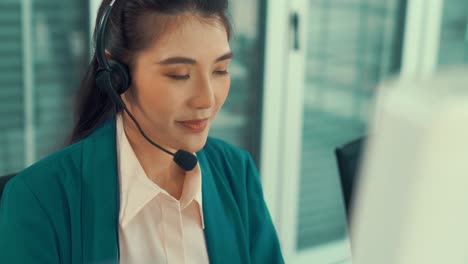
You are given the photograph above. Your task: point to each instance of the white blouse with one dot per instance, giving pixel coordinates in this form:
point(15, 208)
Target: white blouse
point(154, 227)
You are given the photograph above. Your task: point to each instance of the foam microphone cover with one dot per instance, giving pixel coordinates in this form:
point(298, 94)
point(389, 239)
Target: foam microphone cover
point(186, 160)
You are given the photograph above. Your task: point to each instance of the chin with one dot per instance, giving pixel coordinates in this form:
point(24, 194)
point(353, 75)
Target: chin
point(194, 144)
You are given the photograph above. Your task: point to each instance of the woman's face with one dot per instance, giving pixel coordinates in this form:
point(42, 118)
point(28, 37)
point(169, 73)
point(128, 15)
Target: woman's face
point(180, 82)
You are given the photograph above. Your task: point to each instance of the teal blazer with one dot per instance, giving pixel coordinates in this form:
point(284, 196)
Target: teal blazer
point(65, 208)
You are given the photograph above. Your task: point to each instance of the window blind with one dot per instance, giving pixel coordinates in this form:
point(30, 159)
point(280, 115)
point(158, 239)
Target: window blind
point(60, 56)
point(59, 51)
point(11, 88)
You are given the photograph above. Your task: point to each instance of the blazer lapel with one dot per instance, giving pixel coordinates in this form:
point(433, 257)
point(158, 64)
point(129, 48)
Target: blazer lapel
point(100, 196)
point(224, 234)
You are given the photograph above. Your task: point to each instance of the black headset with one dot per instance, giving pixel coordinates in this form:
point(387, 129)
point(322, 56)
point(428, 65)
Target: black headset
point(114, 78)
point(111, 74)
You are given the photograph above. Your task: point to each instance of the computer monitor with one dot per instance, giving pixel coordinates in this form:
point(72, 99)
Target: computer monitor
point(411, 204)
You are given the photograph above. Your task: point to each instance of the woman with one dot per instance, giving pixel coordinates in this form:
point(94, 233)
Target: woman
point(159, 74)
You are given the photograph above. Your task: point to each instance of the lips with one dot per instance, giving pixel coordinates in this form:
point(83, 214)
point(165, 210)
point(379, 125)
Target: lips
point(195, 126)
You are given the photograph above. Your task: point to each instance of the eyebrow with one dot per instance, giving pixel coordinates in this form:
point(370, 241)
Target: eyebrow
point(184, 60)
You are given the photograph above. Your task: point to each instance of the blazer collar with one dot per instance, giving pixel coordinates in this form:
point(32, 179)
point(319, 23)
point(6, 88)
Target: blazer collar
point(222, 234)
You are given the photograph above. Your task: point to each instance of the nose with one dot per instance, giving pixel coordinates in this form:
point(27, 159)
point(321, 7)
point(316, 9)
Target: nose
point(203, 95)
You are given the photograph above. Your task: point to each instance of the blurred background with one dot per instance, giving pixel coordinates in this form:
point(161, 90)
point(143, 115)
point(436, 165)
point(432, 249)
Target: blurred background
point(303, 80)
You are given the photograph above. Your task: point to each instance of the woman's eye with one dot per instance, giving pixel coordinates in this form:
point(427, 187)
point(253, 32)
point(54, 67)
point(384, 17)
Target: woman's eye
point(221, 72)
point(178, 77)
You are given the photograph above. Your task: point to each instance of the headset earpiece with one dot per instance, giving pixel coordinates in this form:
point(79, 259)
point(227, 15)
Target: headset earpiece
point(115, 78)
point(120, 76)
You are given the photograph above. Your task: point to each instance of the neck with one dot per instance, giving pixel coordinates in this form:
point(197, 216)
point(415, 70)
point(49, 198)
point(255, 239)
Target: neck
point(158, 165)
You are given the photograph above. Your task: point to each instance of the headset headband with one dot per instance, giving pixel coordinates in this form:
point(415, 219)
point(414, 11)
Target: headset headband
point(100, 45)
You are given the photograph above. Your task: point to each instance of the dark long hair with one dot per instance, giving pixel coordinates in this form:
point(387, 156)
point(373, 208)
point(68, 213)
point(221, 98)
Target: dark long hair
point(132, 26)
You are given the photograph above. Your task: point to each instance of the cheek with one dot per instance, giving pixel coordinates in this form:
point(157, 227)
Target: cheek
point(164, 102)
point(157, 98)
point(223, 91)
